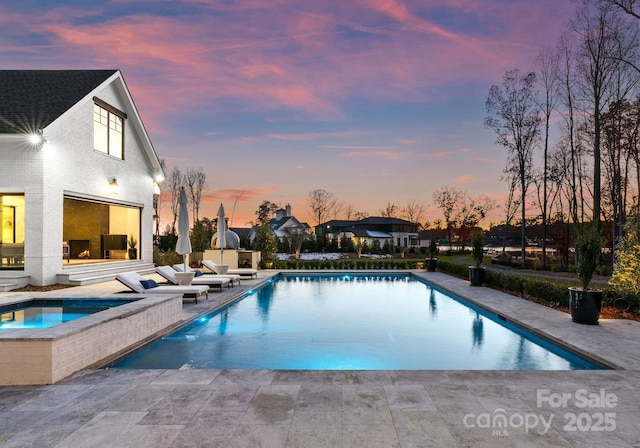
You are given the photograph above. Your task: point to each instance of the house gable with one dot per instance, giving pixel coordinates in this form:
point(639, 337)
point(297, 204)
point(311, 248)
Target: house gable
point(32, 100)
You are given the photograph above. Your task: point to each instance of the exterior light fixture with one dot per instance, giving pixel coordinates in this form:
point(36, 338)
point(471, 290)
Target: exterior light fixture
point(156, 189)
point(113, 186)
point(36, 138)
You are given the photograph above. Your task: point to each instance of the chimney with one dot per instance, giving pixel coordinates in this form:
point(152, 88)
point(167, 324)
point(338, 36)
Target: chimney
point(288, 211)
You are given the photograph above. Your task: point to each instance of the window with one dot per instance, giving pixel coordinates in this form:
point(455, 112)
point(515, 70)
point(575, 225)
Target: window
point(12, 231)
point(108, 123)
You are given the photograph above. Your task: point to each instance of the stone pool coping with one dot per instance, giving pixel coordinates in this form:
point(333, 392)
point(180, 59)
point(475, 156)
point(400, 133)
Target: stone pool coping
point(73, 326)
point(613, 343)
point(47, 355)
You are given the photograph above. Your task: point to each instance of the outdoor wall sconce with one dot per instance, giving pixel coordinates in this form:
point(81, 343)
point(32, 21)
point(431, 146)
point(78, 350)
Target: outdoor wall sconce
point(113, 186)
point(36, 138)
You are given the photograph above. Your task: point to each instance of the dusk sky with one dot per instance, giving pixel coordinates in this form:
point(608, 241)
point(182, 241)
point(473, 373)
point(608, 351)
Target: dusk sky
point(376, 101)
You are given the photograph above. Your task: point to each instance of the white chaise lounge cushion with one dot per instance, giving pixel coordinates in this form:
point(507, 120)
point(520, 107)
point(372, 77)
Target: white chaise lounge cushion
point(233, 278)
point(210, 264)
point(170, 274)
point(132, 281)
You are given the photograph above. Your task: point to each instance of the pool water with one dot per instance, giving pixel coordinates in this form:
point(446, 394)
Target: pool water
point(352, 322)
point(46, 313)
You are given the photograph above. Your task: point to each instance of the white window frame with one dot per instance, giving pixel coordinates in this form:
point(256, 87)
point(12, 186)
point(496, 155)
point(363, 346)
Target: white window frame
point(108, 129)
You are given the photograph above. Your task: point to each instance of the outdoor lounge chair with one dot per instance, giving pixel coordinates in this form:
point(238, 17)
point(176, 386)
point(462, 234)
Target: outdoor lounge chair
point(233, 278)
point(169, 274)
point(139, 284)
point(244, 272)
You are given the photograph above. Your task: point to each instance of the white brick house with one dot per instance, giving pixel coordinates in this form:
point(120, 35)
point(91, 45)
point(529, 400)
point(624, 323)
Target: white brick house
point(60, 209)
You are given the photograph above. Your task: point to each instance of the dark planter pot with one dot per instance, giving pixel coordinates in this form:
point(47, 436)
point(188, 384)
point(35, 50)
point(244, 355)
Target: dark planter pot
point(476, 275)
point(432, 264)
point(133, 254)
point(585, 305)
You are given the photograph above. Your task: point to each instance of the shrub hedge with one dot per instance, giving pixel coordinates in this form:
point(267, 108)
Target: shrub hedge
point(520, 285)
point(351, 263)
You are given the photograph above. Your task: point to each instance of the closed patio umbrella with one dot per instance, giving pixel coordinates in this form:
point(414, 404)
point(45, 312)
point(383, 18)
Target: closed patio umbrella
point(183, 246)
point(221, 242)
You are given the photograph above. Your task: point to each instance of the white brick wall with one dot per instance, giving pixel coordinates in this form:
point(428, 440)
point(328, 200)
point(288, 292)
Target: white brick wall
point(67, 163)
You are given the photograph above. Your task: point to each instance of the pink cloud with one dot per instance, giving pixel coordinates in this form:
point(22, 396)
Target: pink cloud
point(443, 154)
point(238, 194)
point(354, 147)
point(465, 179)
point(376, 154)
point(313, 135)
point(294, 59)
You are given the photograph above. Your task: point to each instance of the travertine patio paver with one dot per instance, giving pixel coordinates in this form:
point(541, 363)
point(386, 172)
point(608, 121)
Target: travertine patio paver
point(288, 409)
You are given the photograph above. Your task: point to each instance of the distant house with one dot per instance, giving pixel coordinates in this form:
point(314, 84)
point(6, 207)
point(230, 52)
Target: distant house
point(284, 226)
point(78, 174)
point(401, 232)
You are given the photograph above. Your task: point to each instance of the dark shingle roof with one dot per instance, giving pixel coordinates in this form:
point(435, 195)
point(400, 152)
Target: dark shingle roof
point(32, 99)
point(383, 220)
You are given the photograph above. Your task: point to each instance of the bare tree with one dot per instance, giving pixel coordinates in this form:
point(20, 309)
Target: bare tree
point(414, 211)
point(512, 204)
point(336, 210)
point(515, 118)
point(633, 140)
point(597, 31)
point(157, 203)
point(321, 203)
point(349, 211)
point(628, 6)
point(567, 75)
point(195, 182)
point(447, 199)
point(390, 210)
point(173, 185)
point(470, 213)
point(296, 236)
point(546, 64)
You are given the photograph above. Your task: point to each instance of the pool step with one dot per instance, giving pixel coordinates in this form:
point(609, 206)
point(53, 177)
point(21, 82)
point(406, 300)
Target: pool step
point(97, 273)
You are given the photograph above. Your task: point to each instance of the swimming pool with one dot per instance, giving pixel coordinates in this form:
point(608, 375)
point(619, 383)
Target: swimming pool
point(47, 313)
point(353, 322)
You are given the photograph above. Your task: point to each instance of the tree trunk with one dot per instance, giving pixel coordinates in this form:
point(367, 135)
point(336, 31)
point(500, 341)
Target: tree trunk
point(523, 241)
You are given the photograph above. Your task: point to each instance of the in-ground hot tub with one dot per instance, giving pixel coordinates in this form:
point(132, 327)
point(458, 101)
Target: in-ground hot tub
point(45, 313)
point(47, 355)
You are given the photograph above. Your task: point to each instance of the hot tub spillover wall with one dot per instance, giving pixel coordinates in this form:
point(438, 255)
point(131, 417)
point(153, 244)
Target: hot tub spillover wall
point(45, 356)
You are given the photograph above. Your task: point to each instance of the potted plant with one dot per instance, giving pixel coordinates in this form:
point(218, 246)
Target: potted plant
point(133, 252)
point(477, 272)
point(585, 303)
point(432, 261)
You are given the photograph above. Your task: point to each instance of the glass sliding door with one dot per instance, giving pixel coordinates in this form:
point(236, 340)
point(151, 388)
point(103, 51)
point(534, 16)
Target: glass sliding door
point(96, 231)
